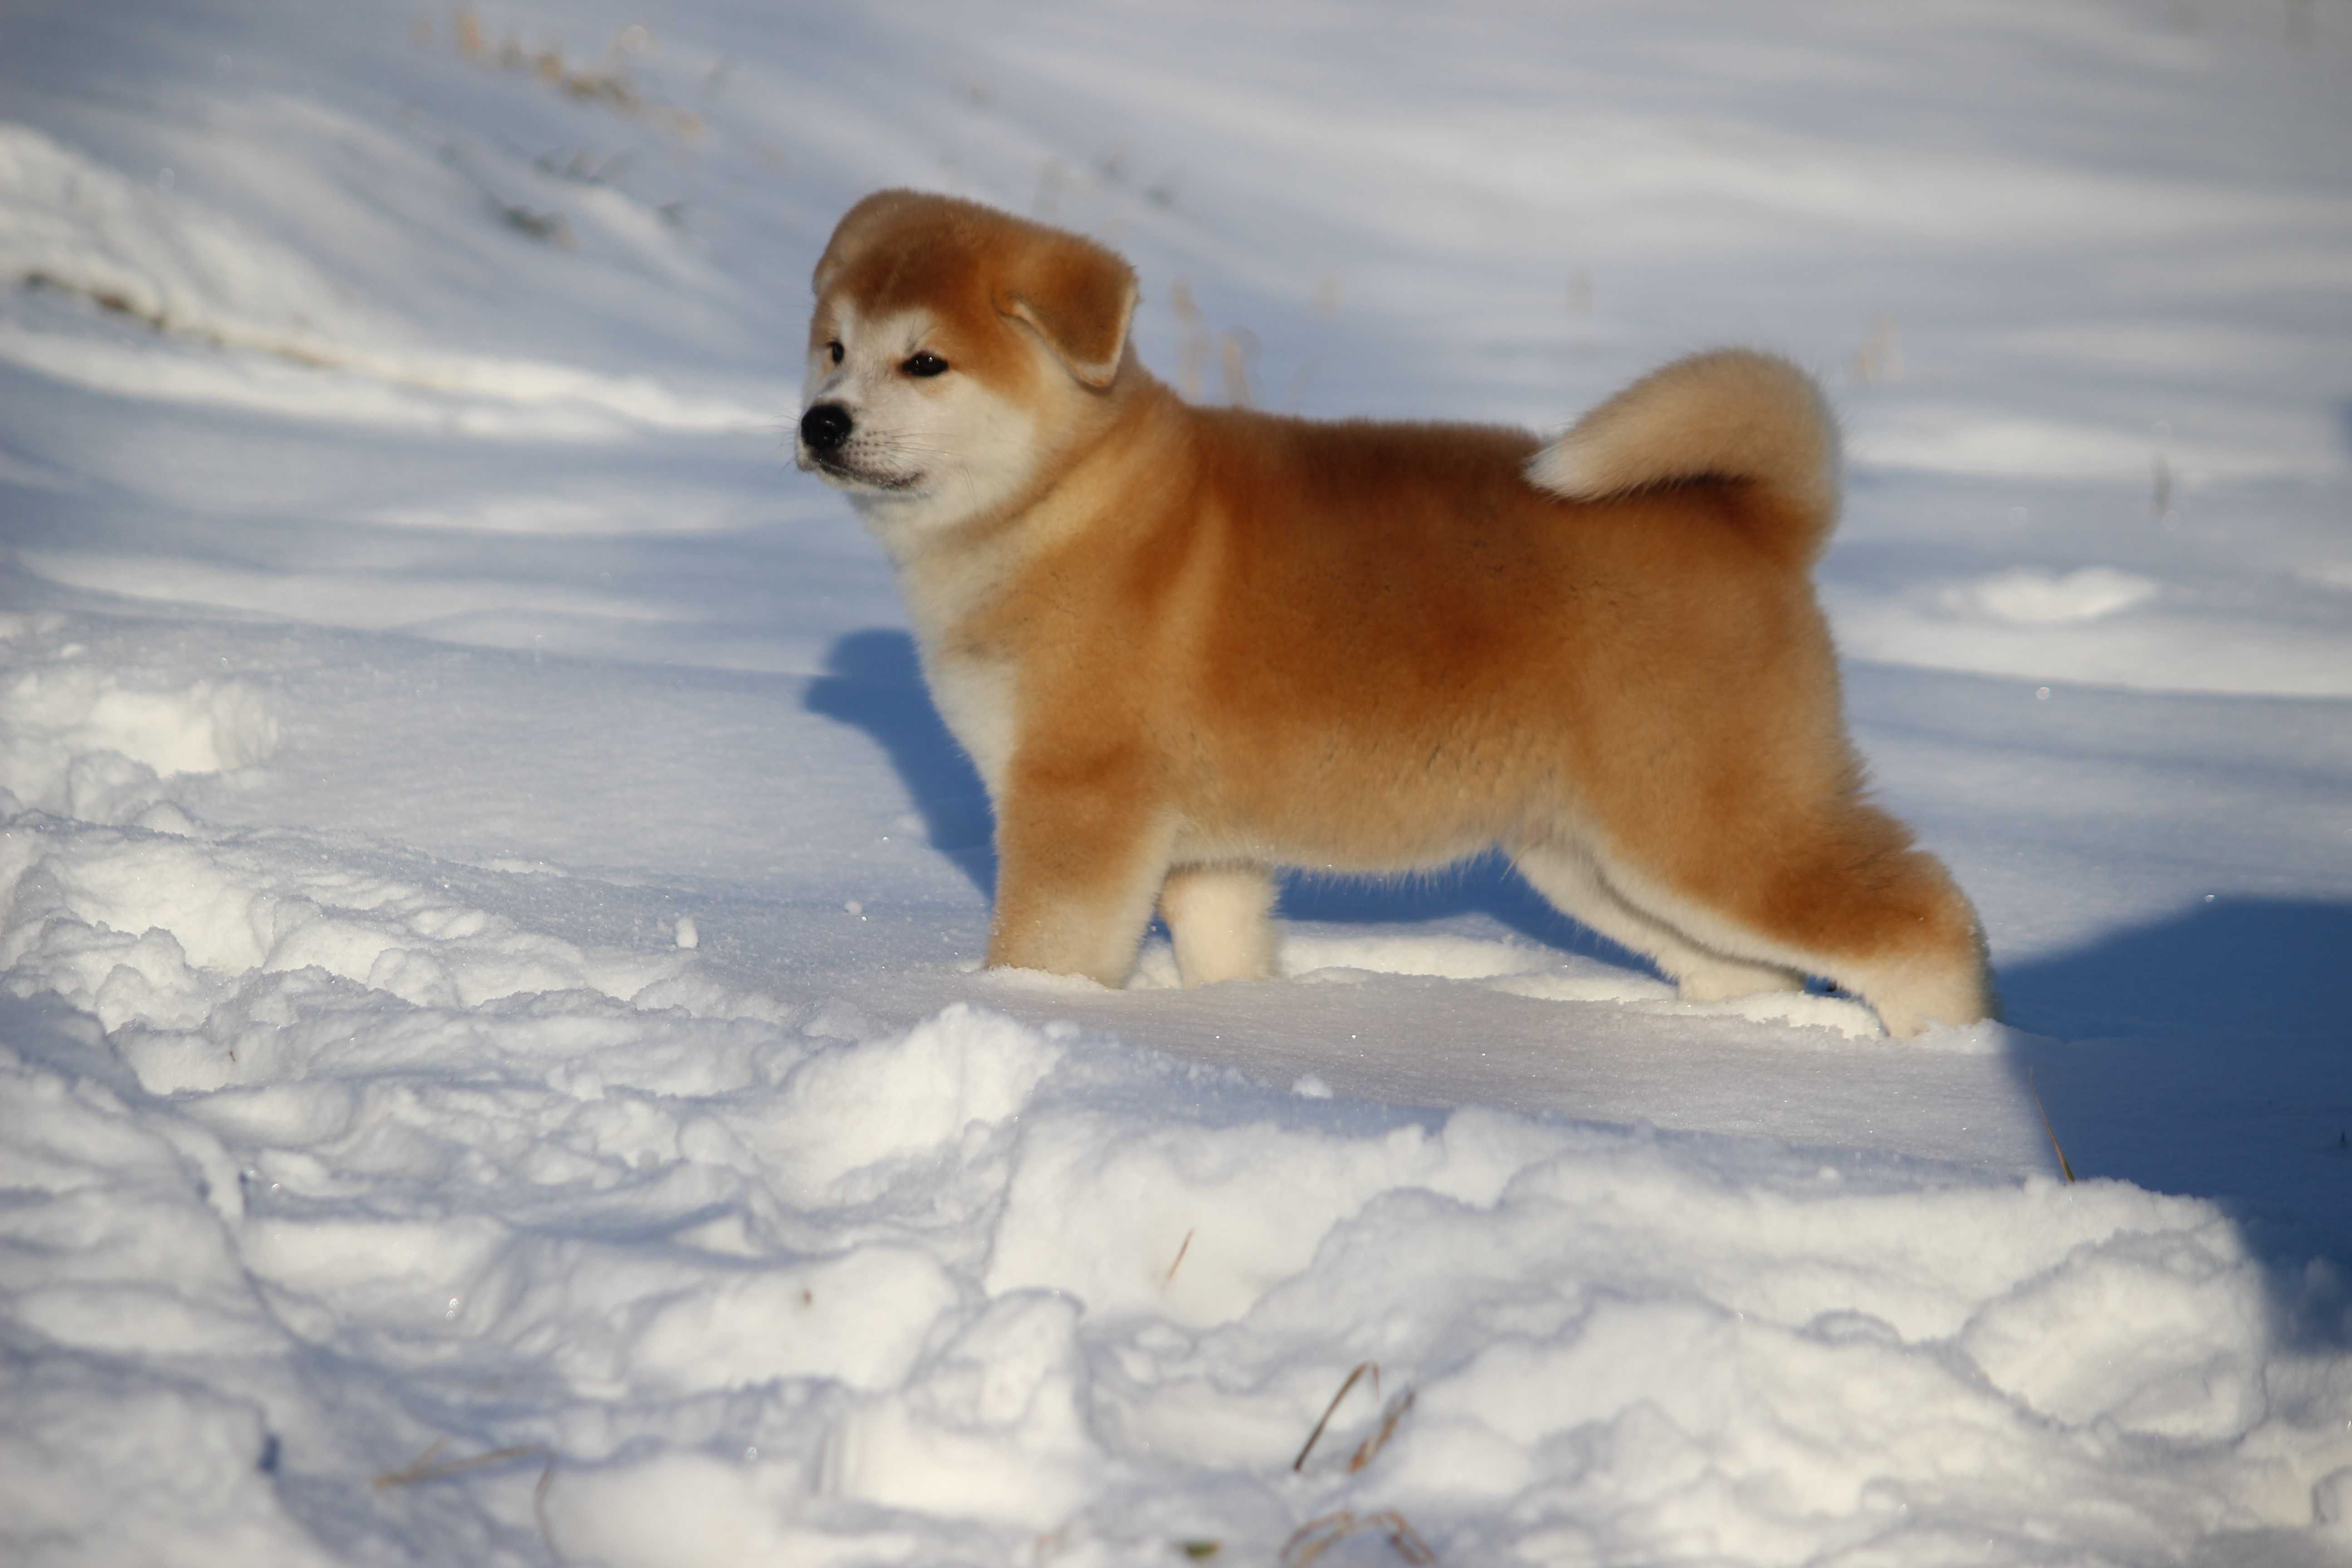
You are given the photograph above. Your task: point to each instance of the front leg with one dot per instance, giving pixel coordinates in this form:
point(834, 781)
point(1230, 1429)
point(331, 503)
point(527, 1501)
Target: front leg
point(1082, 846)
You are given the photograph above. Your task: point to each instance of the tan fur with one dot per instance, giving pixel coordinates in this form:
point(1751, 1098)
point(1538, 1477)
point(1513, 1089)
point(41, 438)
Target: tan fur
point(1731, 414)
point(1187, 645)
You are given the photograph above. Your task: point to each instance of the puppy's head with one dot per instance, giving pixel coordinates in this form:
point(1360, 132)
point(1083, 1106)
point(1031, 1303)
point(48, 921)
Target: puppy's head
point(955, 350)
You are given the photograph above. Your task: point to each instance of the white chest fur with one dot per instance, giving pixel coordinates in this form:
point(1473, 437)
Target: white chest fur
point(976, 694)
point(976, 697)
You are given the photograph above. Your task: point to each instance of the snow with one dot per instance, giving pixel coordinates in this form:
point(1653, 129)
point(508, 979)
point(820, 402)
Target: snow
point(493, 1063)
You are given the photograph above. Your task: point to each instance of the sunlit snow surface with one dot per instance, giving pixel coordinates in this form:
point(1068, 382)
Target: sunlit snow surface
point(492, 1068)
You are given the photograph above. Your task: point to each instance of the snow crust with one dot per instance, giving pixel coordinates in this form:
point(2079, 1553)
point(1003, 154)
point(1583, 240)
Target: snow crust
point(492, 1064)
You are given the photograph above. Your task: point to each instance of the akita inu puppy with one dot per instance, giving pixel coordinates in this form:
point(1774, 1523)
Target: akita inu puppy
point(1187, 646)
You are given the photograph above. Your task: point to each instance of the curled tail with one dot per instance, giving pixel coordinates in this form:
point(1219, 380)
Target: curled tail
point(1731, 414)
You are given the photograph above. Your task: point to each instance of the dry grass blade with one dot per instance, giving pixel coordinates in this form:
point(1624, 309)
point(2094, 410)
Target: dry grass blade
point(1371, 1447)
point(539, 1509)
point(424, 1467)
point(2063, 1163)
point(1312, 1437)
point(1183, 1248)
point(1237, 348)
point(1405, 1538)
point(1317, 1536)
point(415, 1467)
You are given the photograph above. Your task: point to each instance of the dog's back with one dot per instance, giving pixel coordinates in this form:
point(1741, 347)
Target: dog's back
point(1379, 647)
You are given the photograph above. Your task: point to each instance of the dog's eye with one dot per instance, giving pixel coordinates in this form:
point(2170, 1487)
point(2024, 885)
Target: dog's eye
point(924, 364)
point(833, 348)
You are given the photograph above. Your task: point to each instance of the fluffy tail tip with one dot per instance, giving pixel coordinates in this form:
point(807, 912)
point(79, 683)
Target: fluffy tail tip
point(1732, 414)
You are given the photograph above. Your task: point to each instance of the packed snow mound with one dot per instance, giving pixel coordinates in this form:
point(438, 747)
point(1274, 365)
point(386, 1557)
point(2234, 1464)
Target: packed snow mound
point(199, 949)
point(203, 1499)
point(81, 740)
point(1616, 1348)
point(1051, 1305)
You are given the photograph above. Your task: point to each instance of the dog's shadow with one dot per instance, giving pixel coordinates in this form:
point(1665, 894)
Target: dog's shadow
point(2210, 1053)
point(873, 682)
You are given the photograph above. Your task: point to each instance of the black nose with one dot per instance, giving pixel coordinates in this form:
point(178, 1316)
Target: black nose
point(824, 427)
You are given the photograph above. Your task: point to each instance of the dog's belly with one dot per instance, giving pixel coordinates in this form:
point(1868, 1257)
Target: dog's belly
point(1395, 803)
point(1326, 851)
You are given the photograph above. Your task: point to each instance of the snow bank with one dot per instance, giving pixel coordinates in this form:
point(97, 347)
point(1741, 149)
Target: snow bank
point(680, 1252)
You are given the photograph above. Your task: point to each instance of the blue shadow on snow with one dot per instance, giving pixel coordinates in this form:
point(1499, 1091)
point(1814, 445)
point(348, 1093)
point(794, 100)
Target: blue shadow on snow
point(872, 681)
point(2210, 1055)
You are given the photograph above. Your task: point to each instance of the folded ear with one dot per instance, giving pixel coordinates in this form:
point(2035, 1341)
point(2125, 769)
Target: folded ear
point(1079, 297)
point(857, 229)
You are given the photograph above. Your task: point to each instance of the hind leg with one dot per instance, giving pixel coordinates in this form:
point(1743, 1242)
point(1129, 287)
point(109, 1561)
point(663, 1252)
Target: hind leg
point(1844, 895)
point(1218, 916)
point(1569, 877)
